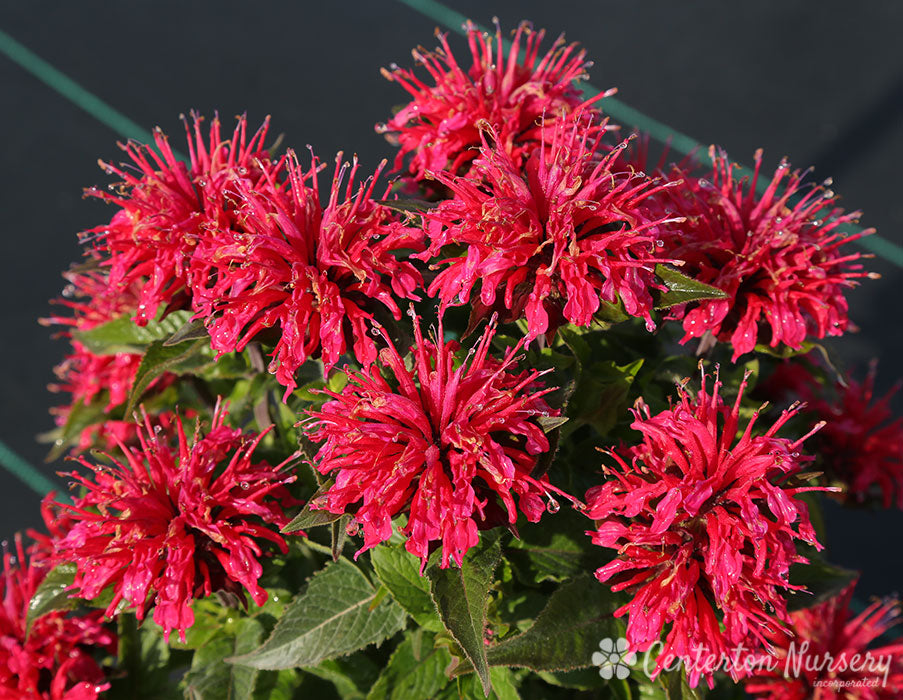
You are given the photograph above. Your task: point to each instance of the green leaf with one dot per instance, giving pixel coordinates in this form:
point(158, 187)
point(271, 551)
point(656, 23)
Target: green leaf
point(80, 416)
point(124, 335)
point(822, 580)
point(159, 359)
point(601, 396)
point(549, 423)
point(415, 670)
point(143, 659)
point(331, 618)
point(551, 553)
point(681, 289)
point(566, 633)
point(352, 675)
point(504, 686)
point(310, 517)
point(190, 330)
point(51, 594)
point(399, 571)
point(784, 352)
point(462, 598)
point(211, 679)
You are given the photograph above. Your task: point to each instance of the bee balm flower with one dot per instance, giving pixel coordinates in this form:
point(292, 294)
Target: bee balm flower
point(169, 524)
point(441, 442)
point(704, 527)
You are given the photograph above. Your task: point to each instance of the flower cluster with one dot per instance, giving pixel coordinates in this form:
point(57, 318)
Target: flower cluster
point(315, 272)
point(170, 524)
point(827, 654)
point(703, 524)
point(776, 255)
point(54, 659)
point(555, 239)
point(514, 91)
point(442, 442)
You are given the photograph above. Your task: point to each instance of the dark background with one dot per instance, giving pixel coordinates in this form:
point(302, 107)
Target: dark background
point(819, 82)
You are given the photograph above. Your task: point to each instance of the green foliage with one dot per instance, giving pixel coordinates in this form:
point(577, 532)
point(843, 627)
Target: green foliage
point(338, 613)
point(461, 596)
point(124, 335)
point(399, 571)
point(681, 289)
point(51, 594)
point(160, 358)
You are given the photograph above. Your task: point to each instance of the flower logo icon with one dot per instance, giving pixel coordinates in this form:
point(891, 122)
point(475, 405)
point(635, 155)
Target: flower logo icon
point(614, 660)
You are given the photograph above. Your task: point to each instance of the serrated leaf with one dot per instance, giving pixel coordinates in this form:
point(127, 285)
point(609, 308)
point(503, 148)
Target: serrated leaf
point(80, 416)
point(544, 553)
point(461, 596)
point(822, 581)
point(51, 594)
point(549, 423)
point(190, 330)
point(331, 618)
point(504, 686)
point(159, 359)
point(681, 289)
point(565, 634)
point(210, 678)
point(416, 669)
point(124, 335)
point(399, 571)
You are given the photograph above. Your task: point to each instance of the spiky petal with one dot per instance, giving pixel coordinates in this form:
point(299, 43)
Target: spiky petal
point(828, 654)
point(443, 443)
point(777, 255)
point(440, 127)
point(169, 524)
point(704, 526)
point(551, 241)
point(55, 659)
point(316, 272)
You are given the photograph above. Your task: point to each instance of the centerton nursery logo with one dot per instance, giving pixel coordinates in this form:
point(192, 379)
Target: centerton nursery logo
point(871, 670)
point(614, 660)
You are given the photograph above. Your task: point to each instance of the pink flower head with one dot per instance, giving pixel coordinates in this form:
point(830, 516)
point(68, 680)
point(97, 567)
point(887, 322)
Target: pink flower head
point(440, 127)
point(554, 239)
point(441, 442)
point(830, 656)
point(54, 661)
point(704, 526)
point(779, 261)
point(861, 445)
point(170, 524)
point(318, 272)
point(166, 207)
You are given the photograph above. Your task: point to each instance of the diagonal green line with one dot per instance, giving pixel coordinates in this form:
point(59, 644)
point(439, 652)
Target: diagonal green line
point(660, 131)
point(30, 476)
point(71, 90)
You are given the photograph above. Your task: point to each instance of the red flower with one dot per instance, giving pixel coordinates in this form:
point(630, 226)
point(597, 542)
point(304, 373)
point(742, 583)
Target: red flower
point(441, 442)
point(87, 376)
point(778, 261)
point(169, 525)
point(54, 661)
point(704, 528)
point(440, 127)
point(167, 207)
point(555, 238)
point(826, 655)
point(317, 272)
point(861, 445)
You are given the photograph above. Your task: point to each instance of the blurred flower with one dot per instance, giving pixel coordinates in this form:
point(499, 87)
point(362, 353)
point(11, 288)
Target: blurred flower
point(172, 524)
point(442, 443)
point(167, 206)
point(440, 127)
point(704, 528)
point(776, 254)
point(53, 661)
point(826, 655)
point(317, 272)
point(556, 238)
point(861, 445)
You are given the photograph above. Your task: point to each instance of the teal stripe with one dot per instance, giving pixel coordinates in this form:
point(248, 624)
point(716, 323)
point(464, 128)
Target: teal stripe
point(659, 131)
point(30, 476)
point(71, 90)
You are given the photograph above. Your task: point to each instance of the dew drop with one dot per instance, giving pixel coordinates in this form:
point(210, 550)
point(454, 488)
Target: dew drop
point(553, 506)
point(659, 243)
point(242, 170)
point(245, 485)
point(352, 528)
point(828, 194)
